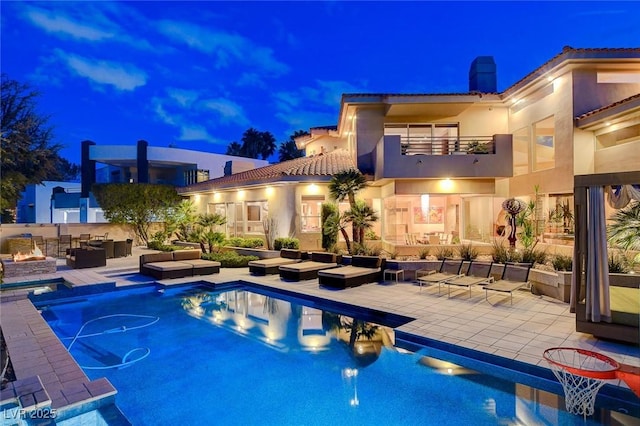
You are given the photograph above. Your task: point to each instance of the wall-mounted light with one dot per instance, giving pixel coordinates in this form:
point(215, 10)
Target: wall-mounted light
point(446, 184)
point(240, 194)
point(197, 197)
point(269, 190)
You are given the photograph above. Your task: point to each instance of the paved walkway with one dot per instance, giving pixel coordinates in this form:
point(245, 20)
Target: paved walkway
point(521, 331)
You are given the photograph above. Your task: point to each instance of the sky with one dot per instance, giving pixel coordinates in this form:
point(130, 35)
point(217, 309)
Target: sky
point(196, 75)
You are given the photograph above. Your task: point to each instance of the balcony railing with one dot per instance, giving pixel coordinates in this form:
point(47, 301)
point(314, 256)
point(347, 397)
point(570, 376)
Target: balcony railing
point(422, 145)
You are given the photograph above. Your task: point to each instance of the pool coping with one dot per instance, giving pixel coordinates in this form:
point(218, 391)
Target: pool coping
point(38, 356)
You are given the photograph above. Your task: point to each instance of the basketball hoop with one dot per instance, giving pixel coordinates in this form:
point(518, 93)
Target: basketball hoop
point(582, 373)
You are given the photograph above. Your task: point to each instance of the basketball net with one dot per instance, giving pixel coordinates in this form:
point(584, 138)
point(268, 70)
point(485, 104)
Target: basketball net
point(582, 373)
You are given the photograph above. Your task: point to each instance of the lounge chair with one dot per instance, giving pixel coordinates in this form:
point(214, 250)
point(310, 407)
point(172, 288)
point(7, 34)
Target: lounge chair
point(477, 273)
point(449, 269)
point(363, 270)
point(270, 266)
point(514, 277)
point(308, 270)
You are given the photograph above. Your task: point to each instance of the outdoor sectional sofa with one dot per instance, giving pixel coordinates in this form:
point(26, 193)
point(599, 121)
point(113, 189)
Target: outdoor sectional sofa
point(270, 266)
point(177, 264)
point(362, 270)
point(309, 270)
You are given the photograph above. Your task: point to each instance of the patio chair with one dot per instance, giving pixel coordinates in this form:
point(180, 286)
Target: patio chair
point(84, 238)
point(478, 273)
point(449, 269)
point(64, 243)
point(514, 277)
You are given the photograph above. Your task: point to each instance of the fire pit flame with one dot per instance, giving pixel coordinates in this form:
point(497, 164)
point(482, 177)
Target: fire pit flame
point(36, 254)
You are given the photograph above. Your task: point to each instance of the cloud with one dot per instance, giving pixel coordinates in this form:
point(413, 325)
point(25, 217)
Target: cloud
point(229, 111)
point(93, 22)
point(124, 77)
point(56, 22)
point(227, 48)
point(194, 133)
point(310, 106)
point(184, 98)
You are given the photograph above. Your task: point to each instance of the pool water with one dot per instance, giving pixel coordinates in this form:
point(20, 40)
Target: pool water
point(240, 357)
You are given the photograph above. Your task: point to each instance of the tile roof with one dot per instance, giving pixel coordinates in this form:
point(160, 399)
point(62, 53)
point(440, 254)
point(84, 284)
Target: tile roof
point(610, 106)
point(319, 166)
point(569, 52)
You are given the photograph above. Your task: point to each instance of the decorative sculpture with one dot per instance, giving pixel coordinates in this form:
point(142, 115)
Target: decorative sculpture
point(513, 206)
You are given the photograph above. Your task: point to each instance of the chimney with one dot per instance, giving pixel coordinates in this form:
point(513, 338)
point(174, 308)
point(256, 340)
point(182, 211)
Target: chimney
point(482, 75)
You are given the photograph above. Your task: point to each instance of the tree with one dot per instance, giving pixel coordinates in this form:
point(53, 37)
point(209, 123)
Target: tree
point(27, 153)
point(335, 223)
point(362, 216)
point(234, 148)
point(288, 150)
point(624, 230)
point(256, 143)
point(137, 205)
point(344, 185)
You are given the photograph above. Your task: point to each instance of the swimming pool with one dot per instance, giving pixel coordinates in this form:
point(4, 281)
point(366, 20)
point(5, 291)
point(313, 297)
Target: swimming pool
point(243, 356)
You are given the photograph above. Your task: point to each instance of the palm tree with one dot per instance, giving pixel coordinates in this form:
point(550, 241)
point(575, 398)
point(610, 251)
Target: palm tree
point(234, 148)
point(344, 185)
point(208, 222)
point(335, 223)
point(624, 231)
point(362, 216)
point(288, 150)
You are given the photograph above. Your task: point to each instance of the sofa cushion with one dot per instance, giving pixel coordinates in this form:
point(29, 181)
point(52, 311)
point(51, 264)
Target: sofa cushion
point(290, 254)
point(274, 261)
point(366, 261)
point(323, 257)
point(196, 263)
point(348, 271)
point(156, 257)
point(307, 266)
point(168, 266)
point(179, 255)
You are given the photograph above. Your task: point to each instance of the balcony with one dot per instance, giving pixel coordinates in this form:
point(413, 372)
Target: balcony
point(464, 157)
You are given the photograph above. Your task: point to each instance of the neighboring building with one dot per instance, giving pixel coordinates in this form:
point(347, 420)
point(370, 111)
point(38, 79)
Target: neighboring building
point(65, 202)
point(444, 163)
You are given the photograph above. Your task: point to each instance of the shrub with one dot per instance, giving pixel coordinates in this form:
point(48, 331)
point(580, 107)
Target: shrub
point(286, 243)
point(502, 254)
point(618, 264)
point(230, 259)
point(444, 252)
point(364, 250)
point(155, 245)
point(244, 242)
point(392, 254)
point(423, 253)
point(467, 252)
point(562, 262)
point(531, 255)
point(371, 235)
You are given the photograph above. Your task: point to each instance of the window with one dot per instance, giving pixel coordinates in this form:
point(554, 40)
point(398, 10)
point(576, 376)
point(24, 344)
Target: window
point(256, 212)
point(544, 155)
point(310, 212)
point(194, 176)
point(429, 139)
point(521, 152)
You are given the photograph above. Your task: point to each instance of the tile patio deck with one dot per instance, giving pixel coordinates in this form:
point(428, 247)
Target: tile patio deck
point(521, 331)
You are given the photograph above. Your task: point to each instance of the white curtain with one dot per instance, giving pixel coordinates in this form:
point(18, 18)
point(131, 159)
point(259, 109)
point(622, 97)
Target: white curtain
point(597, 267)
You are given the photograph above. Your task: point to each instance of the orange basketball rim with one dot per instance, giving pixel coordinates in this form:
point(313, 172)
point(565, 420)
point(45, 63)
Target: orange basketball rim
point(615, 370)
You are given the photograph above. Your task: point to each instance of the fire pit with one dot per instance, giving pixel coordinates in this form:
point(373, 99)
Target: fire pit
point(33, 263)
point(36, 254)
